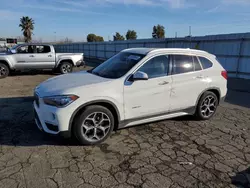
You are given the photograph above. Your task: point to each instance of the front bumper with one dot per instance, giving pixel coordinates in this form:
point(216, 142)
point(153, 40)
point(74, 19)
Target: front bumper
point(48, 120)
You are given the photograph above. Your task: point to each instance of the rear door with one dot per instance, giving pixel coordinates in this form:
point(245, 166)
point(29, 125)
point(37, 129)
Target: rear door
point(188, 82)
point(44, 57)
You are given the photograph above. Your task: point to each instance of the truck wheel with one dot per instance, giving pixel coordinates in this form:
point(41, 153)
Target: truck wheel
point(4, 70)
point(65, 67)
point(94, 125)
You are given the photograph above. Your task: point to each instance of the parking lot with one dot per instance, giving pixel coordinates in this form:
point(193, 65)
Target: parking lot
point(180, 152)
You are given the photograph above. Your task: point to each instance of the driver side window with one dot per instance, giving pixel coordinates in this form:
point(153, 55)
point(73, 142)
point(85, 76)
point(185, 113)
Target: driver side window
point(156, 67)
point(25, 49)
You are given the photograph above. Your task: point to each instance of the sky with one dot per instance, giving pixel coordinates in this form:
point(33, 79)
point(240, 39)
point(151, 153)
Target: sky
point(75, 19)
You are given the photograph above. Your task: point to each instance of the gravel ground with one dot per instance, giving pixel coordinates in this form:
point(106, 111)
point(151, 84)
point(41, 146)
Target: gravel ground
point(175, 153)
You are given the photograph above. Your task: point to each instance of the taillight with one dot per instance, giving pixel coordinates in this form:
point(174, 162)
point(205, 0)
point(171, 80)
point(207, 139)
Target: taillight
point(224, 74)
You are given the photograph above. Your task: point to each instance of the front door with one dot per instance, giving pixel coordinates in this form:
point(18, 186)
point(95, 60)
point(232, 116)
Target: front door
point(188, 82)
point(149, 97)
point(24, 57)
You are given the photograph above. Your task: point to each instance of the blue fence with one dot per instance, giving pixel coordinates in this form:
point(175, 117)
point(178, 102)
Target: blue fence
point(232, 50)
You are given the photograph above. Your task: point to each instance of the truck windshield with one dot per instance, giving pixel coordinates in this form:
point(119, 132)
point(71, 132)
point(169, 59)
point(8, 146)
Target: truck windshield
point(14, 47)
point(118, 65)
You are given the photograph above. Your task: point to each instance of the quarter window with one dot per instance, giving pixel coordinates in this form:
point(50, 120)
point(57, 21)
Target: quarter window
point(182, 64)
point(42, 49)
point(205, 63)
point(197, 65)
point(156, 67)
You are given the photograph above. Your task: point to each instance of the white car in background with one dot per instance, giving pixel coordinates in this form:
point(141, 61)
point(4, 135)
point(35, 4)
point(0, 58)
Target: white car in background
point(136, 86)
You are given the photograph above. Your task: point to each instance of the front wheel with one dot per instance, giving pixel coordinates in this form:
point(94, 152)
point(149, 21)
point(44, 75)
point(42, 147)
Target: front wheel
point(66, 67)
point(207, 106)
point(4, 70)
point(94, 125)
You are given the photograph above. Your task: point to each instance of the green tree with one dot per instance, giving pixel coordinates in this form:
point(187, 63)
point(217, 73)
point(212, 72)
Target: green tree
point(94, 38)
point(131, 35)
point(118, 36)
point(158, 31)
point(99, 39)
point(91, 37)
point(27, 27)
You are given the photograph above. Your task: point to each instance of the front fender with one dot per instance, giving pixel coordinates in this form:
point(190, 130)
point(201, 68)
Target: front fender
point(8, 61)
point(118, 107)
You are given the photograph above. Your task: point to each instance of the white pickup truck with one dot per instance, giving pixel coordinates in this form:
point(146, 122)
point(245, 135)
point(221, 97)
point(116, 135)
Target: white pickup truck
point(38, 56)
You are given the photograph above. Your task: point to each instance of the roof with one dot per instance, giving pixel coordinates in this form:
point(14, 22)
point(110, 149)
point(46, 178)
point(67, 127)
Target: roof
point(36, 44)
point(146, 51)
point(143, 51)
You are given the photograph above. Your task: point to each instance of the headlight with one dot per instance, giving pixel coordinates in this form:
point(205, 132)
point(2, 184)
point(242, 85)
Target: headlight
point(60, 101)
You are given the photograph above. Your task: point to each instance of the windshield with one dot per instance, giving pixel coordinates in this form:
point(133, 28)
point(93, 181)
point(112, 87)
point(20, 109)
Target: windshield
point(14, 47)
point(118, 65)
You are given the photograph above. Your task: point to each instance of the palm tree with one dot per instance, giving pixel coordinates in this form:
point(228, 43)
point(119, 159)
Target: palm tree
point(27, 25)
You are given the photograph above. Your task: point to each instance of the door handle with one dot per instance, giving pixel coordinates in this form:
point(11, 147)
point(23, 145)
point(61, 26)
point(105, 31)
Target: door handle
point(49, 55)
point(164, 83)
point(32, 56)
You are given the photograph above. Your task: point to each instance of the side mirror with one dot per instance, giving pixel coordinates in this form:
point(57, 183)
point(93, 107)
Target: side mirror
point(140, 76)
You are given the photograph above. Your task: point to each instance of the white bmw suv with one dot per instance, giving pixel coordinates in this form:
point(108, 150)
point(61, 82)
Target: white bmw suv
point(136, 86)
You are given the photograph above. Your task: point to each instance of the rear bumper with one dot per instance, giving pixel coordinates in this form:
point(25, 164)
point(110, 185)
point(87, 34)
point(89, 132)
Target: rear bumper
point(80, 63)
point(222, 99)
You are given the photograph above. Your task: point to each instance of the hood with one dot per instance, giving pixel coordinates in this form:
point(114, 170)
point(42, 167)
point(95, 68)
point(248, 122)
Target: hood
point(64, 83)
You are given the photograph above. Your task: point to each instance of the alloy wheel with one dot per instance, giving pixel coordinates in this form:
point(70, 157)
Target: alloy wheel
point(66, 68)
point(3, 71)
point(96, 126)
point(208, 106)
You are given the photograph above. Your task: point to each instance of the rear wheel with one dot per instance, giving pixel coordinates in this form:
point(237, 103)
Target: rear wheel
point(94, 125)
point(207, 106)
point(65, 68)
point(4, 70)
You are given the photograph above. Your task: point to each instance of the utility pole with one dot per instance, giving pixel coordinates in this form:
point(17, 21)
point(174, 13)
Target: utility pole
point(175, 34)
point(55, 36)
point(190, 36)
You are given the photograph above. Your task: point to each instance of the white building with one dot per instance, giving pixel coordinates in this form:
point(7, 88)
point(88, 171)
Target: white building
point(9, 42)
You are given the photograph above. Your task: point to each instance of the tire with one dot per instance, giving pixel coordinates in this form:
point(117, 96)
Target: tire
point(207, 106)
point(4, 71)
point(65, 68)
point(89, 133)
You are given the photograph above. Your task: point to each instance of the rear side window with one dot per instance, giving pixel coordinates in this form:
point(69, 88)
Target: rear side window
point(205, 63)
point(42, 49)
point(197, 65)
point(182, 64)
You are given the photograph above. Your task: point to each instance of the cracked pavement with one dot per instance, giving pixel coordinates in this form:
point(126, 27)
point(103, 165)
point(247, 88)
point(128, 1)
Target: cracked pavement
point(180, 152)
